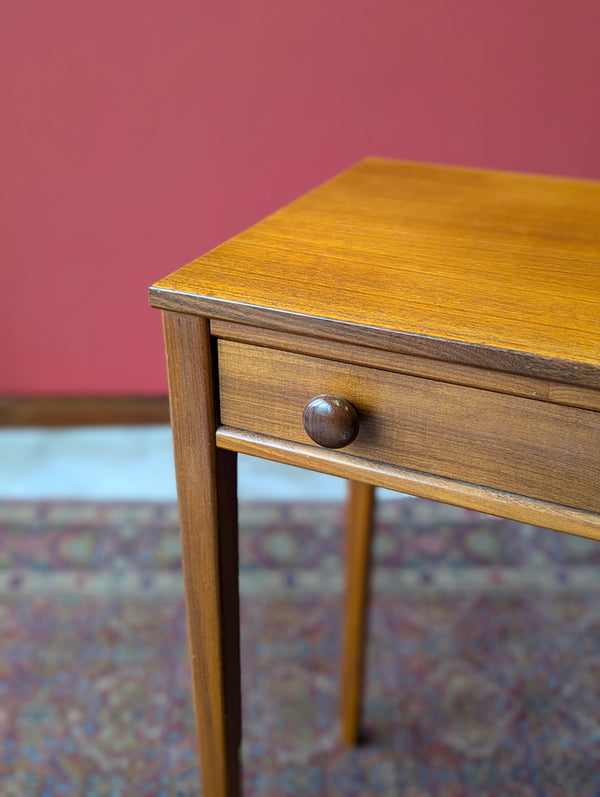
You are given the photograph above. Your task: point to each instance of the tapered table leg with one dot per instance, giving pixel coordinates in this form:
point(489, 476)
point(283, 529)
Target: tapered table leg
point(359, 523)
point(207, 497)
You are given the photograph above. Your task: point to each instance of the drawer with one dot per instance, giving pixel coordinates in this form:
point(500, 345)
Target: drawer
point(533, 448)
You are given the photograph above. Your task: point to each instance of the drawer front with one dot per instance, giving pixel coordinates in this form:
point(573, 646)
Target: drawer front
point(520, 445)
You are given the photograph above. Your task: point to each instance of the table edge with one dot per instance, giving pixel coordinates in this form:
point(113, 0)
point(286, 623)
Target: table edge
point(574, 372)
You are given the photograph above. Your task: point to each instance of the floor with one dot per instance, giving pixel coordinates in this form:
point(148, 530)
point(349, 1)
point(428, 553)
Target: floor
point(132, 463)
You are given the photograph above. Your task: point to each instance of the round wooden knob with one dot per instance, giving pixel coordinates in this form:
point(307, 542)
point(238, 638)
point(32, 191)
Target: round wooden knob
point(330, 421)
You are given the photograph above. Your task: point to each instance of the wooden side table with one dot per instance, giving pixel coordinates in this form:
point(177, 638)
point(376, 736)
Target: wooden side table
point(449, 317)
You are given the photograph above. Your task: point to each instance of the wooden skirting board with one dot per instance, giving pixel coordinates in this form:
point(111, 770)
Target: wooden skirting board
point(82, 410)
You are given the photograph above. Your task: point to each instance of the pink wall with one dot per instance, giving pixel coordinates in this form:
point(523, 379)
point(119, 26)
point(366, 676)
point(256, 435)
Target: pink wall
point(137, 134)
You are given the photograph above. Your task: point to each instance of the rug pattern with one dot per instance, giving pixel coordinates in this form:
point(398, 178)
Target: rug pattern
point(483, 660)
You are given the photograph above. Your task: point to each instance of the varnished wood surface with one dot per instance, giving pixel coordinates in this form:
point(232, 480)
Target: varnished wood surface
point(456, 309)
point(533, 448)
point(424, 485)
point(330, 421)
point(454, 373)
point(206, 491)
point(465, 265)
point(82, 410)
point(359, 523)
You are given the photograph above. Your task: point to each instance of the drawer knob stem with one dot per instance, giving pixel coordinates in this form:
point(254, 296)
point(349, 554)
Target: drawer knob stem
point(331, 421)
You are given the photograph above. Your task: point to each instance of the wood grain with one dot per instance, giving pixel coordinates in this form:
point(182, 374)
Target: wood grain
point(454, 373)
point(359, 521)
point(456, 309)
point(424, 485)
point(206, 490)
point(536, 449)
point(472, 266)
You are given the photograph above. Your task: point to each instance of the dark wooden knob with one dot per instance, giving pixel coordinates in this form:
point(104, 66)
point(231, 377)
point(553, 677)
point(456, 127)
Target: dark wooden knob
point(330, 421)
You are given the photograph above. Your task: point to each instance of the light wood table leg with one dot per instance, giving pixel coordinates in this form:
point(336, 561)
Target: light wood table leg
point(207, 497)
point(359, 523)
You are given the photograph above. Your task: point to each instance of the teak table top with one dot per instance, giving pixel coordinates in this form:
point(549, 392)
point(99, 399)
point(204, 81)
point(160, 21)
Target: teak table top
point(465, 265)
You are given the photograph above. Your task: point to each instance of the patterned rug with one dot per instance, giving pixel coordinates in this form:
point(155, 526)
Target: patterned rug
point(483, 659)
